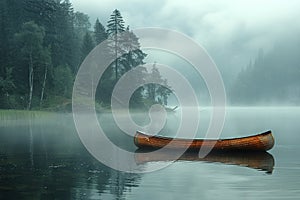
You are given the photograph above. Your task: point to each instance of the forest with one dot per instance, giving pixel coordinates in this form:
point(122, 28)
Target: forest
point(43, 44)
point(271, 79)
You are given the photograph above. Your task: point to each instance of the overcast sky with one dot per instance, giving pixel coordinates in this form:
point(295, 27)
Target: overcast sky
point(232, 31)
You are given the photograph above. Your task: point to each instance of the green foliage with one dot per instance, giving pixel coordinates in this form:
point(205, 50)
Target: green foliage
point(6, 83)
point(158, 92)
point(82, 26)
point(3, 37)
point(44, 42)
point(125, 48)
point(87, 45)
point(6, 87)
point(115, 24)
point(63, 37)
point(30, 40)
point(63, 81)
point(81, 23)
point(99, 32)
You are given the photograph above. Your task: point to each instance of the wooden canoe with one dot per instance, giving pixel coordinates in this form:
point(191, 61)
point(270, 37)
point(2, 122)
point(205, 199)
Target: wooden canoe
point(260, 160)
point(259, 142)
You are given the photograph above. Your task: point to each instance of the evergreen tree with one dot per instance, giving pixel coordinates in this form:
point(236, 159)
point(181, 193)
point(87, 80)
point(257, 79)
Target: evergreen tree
point(115, 25)
point(63, 44)
point(157, 92)
point(62, 81)
point(3, 37)
point(133, 56)
point(87, 46)
point(44, 41)
point(59, 45)
point(99, 32)
point(82, 25)
point(41, 11)
point(126, 48)
point(264, 80)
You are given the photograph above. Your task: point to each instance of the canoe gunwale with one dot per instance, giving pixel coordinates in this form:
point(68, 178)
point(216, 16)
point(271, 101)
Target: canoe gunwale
point(185, 139)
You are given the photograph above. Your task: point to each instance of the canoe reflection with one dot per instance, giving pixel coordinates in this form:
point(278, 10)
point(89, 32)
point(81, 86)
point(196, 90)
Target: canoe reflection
point(263, 161)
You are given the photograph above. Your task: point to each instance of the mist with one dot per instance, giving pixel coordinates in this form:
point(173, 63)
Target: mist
point(254, 44)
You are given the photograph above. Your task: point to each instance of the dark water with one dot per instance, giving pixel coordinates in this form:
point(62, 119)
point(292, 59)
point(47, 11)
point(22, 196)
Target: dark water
point(43, 158)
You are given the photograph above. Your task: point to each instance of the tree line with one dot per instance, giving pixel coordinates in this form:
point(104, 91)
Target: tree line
point(43, 44)
point(272, 78)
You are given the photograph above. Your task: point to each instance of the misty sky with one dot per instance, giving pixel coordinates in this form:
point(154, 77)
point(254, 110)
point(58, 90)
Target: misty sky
point(232, 31)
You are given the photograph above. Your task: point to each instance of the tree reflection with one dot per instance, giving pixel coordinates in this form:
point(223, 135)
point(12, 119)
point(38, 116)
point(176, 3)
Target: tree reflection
point(38, 161)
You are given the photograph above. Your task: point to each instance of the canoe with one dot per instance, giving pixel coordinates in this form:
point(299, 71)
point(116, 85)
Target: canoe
point(260, 160)
point(259, 142)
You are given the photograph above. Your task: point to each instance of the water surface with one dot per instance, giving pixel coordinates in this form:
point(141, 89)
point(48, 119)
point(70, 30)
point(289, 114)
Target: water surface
point(41, 157)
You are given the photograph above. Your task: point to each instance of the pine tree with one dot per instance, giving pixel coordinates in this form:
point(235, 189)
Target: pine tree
point(99, 32)
point(116, 23)
point(87, 45)
point(3, 37)
point(133, 56)
point(62, 81)
point(115, 26)
point(63, 42)
point(159, 91)
point(81, 24)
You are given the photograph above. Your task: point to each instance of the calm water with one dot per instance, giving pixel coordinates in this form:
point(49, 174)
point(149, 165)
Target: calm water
point(43, 158)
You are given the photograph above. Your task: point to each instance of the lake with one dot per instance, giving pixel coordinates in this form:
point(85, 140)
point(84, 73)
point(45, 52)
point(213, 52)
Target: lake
point(42, 157)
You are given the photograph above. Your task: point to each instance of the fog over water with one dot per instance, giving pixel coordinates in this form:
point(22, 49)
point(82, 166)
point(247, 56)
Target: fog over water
point(42, 156)
point(254, 44)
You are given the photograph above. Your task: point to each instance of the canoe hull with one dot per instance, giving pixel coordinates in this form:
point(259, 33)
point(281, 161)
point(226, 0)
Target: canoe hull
point(259, 142)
